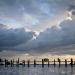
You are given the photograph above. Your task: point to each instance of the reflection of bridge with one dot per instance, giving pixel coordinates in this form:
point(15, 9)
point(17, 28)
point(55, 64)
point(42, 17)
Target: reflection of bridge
point(35, 62)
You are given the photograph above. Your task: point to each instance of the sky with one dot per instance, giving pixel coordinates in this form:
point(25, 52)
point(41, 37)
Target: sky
point(37, 26)
point(36, 15)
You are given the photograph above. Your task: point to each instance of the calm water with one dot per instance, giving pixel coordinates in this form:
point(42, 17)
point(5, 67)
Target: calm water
point(38, 70)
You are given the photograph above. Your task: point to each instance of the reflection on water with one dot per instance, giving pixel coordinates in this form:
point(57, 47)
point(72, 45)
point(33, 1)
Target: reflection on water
point(38, 70)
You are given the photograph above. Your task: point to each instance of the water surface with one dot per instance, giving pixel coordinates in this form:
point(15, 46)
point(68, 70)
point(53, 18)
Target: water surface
point(38, 70)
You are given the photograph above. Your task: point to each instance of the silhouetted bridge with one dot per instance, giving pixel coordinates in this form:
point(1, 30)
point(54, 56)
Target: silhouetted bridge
point(43, 62)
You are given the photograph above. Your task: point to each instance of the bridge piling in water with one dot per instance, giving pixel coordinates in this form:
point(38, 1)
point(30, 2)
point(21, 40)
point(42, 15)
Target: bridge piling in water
point(65, 62)
point(28, 63)
point(71, 62)
point(48, 63)
point(11, 63)
point(59, 61)
point(34, 63)
point(54, 63)
point(18, 62)
point(1, 61)
point(42, 62)
point(23, 63)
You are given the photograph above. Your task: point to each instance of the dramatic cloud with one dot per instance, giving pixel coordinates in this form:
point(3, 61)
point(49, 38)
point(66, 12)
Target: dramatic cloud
point(71, 12)
point(53, 37)
point(55, 18)
point(33, 14)
point(10, 38)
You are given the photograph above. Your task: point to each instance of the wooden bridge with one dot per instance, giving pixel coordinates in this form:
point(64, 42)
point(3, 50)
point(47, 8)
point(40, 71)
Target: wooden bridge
point(35, 62)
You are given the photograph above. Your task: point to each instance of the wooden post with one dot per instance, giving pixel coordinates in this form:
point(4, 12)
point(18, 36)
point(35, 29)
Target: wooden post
point(71, 62)
point(11, 63)
point(48, 63)
point(34, 63)
point(42, 63)
point(23, 62)
point(18, 62)
point(28, 62)
point(65, 62)
point(54, 63)
point(6, 62)
point(59, 61)
point(1, 61)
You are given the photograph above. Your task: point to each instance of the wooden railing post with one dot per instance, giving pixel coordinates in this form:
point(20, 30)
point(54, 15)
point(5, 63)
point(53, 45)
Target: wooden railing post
point(23, 63)
point(65, 62)
point(59, 62)
point(42, 63)
point(34, 63)
point(48, 63)
point(28, 63)
point(54, 63)
point(71, 62)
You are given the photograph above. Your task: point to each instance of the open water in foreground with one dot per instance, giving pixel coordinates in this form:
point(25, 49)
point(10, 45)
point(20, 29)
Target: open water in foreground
point(38, 70)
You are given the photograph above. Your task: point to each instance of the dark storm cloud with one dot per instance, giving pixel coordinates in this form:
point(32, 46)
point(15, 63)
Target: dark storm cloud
point(29, 13)
point(37, 11)
point(59, 38)
point(10, 38)
point(71, 7)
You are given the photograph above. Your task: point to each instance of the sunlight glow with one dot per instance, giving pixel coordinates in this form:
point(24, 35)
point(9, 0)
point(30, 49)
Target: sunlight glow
point(69, 15)
point(37, 33)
